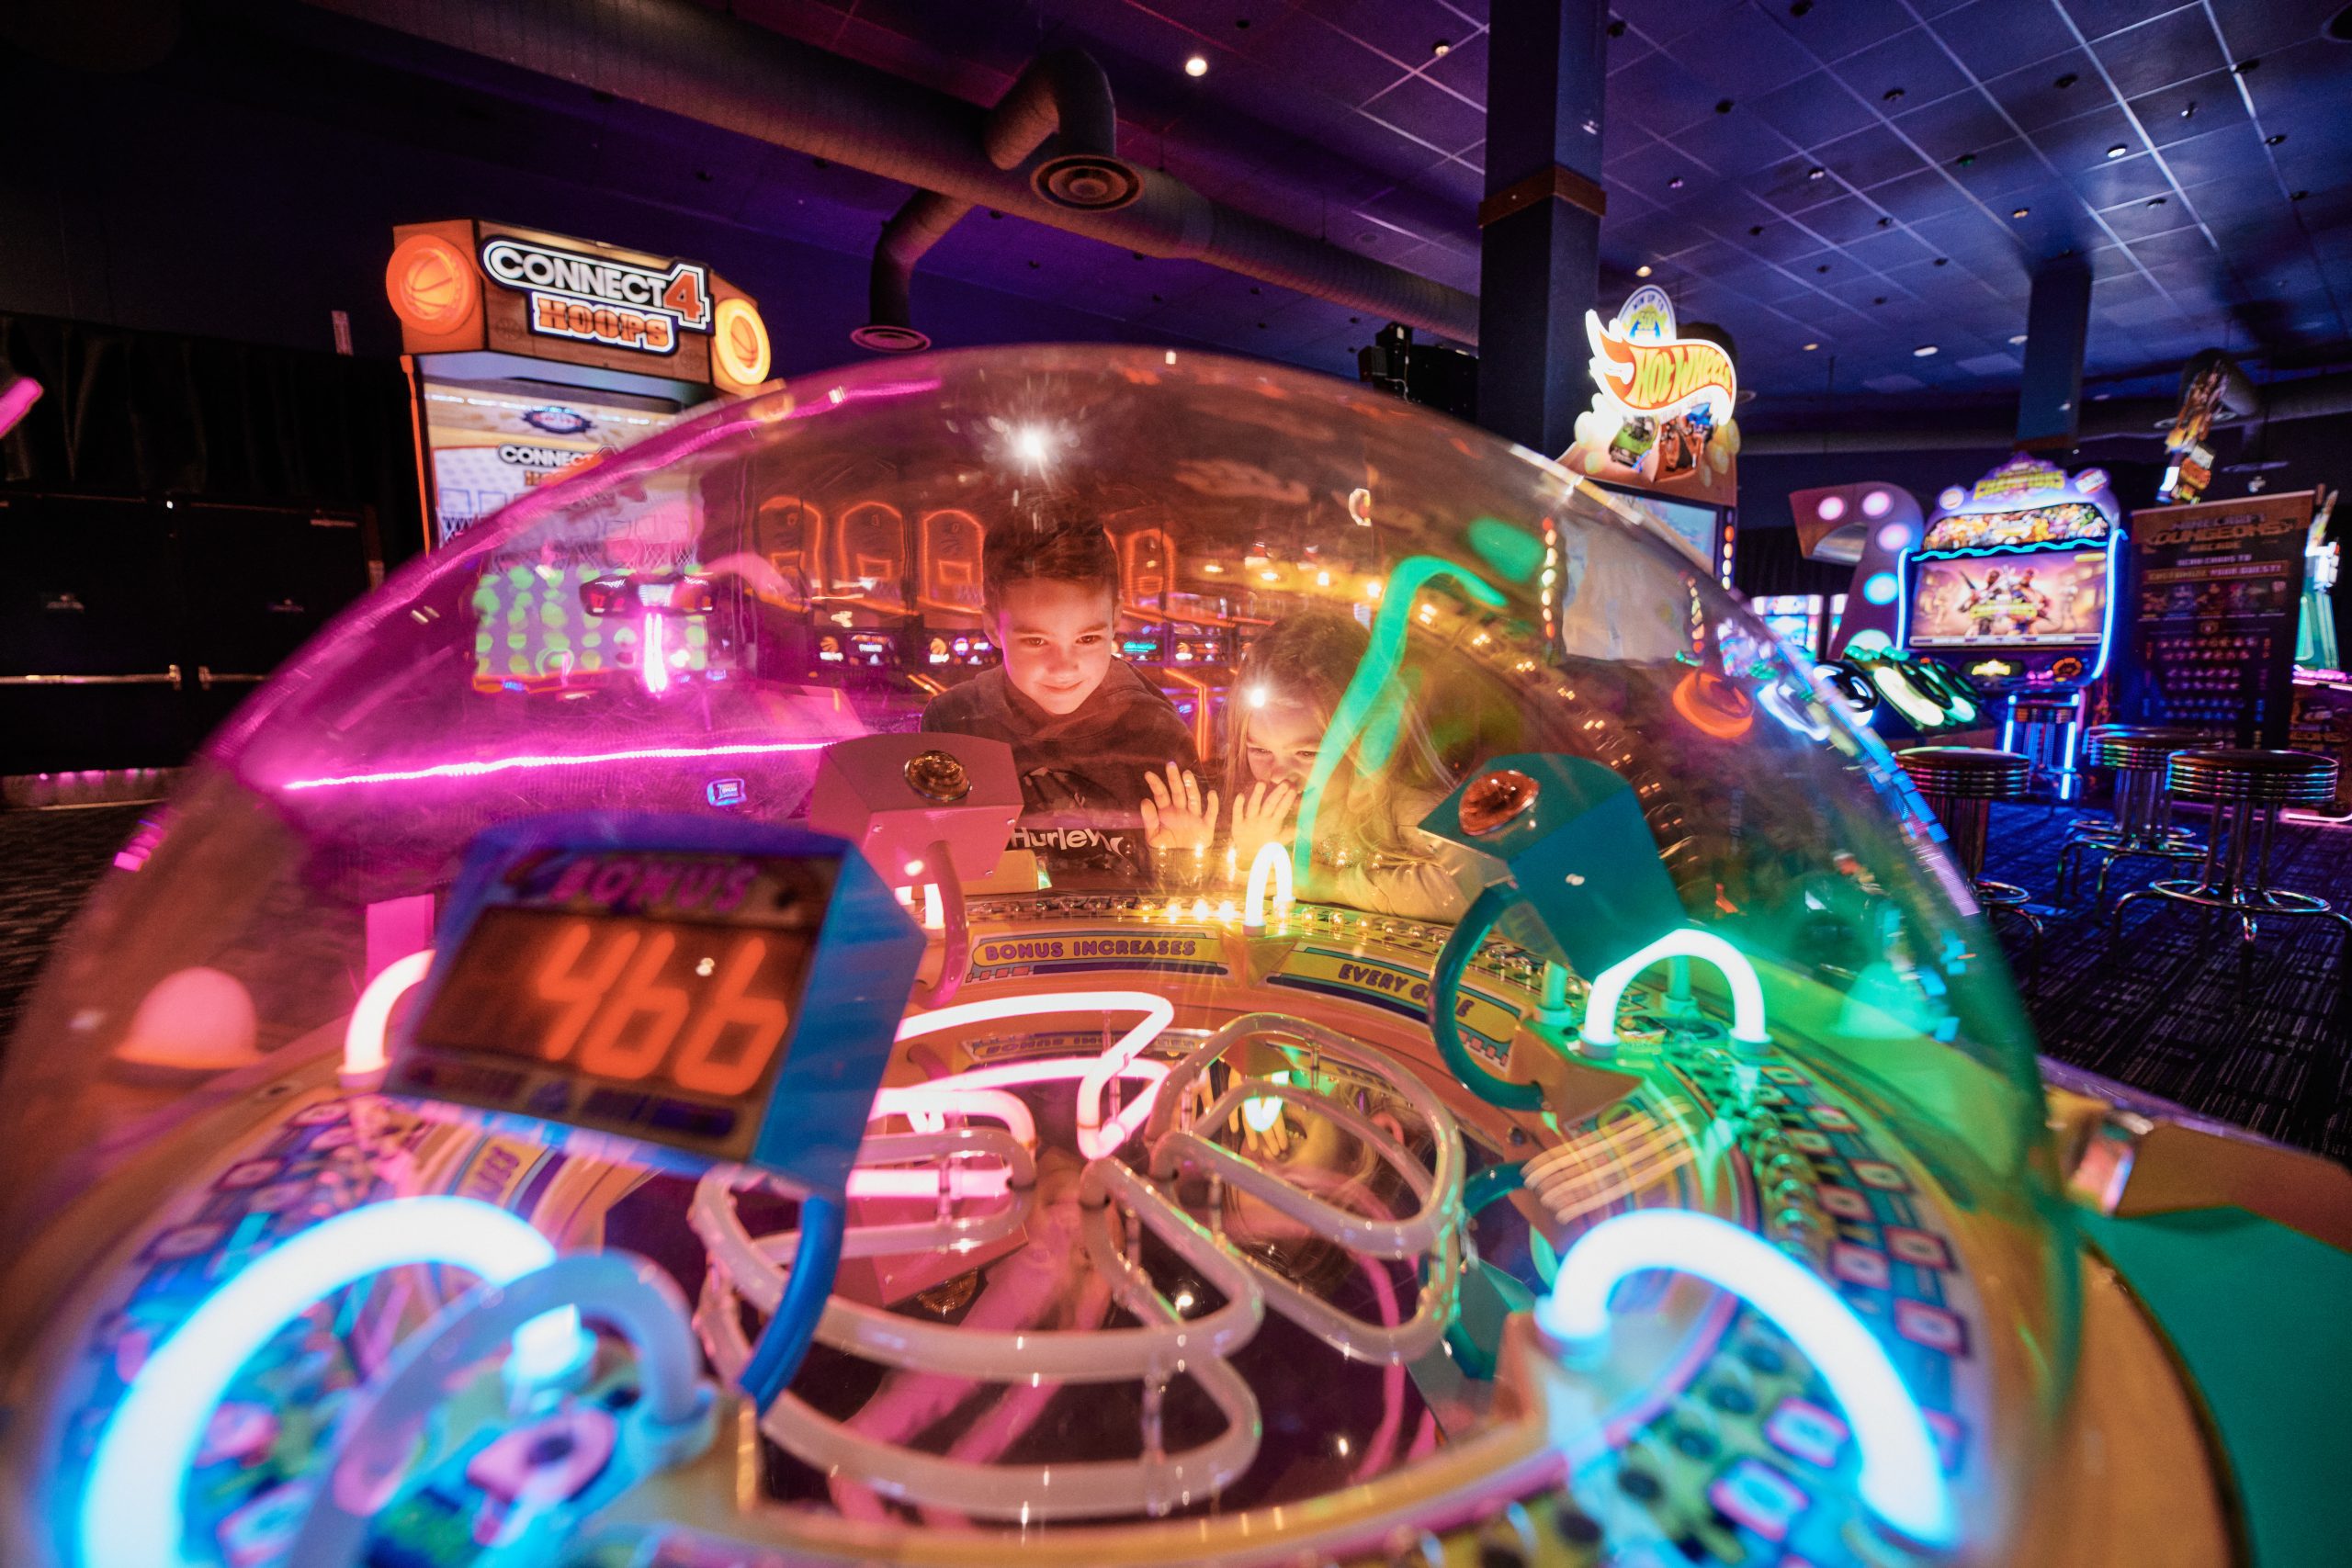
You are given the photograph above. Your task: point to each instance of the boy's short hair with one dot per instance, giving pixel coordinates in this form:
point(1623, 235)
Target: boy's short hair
point(1029, 548)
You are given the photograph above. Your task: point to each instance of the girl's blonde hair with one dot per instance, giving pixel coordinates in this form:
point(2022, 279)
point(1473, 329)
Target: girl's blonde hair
point(1308, 659)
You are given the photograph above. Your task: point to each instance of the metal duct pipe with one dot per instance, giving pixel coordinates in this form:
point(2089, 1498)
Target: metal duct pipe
point(1065, 90)
point(693, 63)
point(921, 223)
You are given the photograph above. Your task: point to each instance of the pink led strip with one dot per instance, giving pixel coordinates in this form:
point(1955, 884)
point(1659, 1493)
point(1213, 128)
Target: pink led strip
point(507, 765)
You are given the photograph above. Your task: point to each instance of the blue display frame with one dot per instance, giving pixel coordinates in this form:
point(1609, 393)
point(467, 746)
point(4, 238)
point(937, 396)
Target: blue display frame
point(860, 972)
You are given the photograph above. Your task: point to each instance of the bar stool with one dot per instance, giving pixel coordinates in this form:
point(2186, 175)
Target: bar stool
point(2235, 878)
point(2141, 827)
point(1961, 783)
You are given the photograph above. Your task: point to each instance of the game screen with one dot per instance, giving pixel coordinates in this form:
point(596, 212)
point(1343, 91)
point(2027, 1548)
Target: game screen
point(1694, 525)
point(488, 445)
point(2035, 601)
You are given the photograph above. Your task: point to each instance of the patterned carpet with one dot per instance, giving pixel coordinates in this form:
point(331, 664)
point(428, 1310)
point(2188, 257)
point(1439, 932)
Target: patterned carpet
point(2159, 1014)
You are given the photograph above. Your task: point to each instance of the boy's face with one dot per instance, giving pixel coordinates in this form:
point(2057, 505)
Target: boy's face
point(1056, 640)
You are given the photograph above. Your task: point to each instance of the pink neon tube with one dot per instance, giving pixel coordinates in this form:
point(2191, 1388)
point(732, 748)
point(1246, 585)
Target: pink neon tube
point(507, 765)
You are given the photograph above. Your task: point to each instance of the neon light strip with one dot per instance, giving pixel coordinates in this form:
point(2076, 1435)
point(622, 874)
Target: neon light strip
point(1095, 1140)
point(1901, 1478)
point(507, 765)
point(130, 1510)
point(1272, 863)
point(363, 1037)
point(653, 660)
point(1746, 991)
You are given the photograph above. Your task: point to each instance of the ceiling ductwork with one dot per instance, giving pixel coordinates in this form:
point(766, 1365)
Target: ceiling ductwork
point(682, 58)
point(1066, 92)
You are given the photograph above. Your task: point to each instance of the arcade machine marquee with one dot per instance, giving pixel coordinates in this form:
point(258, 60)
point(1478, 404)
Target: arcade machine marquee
point(1589, 1132)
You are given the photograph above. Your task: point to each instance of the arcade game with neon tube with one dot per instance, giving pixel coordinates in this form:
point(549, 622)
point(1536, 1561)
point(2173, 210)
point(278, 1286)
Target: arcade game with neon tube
point(1588, 1130)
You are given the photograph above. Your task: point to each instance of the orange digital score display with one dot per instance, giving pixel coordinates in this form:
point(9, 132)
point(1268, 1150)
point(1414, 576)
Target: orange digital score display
point(654, 1005)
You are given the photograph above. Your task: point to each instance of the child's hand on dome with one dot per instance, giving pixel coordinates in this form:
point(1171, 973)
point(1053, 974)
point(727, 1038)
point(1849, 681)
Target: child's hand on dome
point(1261, 818)
point(1176, 818)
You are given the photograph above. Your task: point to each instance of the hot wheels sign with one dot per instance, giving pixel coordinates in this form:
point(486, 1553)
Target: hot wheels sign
point(1662, 414)
point(1646, 372)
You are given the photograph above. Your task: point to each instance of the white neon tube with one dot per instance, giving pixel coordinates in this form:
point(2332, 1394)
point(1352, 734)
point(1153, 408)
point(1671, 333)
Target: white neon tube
point(1747, 992)
point(1095, 1140)
point(131, 1507)
point(1901, 1480)
point(1272, 863)
point(375, 1440)
point(363, 1037)
point(757, 1268)
point(1029, 1493)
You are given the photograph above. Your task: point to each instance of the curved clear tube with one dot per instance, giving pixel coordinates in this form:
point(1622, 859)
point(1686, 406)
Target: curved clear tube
point(1432, 1230)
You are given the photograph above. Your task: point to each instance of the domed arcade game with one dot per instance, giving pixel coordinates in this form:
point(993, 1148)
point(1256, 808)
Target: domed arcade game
point(1555, 1104)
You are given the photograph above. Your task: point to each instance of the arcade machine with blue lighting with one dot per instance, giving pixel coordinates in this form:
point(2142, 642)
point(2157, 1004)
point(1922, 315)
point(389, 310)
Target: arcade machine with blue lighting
point(1594, 1129)
point(2015, 582)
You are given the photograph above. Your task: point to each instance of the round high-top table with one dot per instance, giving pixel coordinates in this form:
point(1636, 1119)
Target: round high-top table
point(2141, 827)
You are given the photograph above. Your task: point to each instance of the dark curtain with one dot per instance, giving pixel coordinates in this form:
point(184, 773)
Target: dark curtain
point(148, 413)
point(1768, 560)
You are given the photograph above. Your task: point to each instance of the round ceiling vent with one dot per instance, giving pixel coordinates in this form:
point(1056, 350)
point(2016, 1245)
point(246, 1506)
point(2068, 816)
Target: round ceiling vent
point(879, 337)
point(1086, 182)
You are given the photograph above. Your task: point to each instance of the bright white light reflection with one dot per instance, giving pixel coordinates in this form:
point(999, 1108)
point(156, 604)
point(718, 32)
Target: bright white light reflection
point(1747, 992)
point(1032, 446)
point(363, 1037)
point(1901, 1478)
point(130, 1509)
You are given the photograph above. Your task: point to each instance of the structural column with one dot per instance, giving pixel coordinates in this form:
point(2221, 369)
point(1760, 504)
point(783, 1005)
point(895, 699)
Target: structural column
point(1539, 251)
point(2057, 324)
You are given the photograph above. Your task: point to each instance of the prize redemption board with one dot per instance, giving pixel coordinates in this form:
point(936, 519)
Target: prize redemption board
point(2218, 591)
point(1724, 1443)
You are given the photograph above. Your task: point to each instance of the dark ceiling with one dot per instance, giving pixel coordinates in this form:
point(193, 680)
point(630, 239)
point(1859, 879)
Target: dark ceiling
point(1834, 173)
point(1843, 173)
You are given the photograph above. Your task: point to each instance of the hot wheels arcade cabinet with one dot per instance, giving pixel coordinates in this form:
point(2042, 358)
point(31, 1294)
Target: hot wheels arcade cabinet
point(2015, 580)
point(1660, 435)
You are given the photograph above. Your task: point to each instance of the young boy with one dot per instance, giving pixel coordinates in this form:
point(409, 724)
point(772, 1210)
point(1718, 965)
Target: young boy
point(1090, 735)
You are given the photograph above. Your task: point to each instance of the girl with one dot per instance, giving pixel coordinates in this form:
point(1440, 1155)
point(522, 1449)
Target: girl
point(1369, 850)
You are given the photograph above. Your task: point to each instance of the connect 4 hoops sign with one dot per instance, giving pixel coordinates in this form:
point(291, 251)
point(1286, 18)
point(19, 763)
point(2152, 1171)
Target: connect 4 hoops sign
point(601, 300)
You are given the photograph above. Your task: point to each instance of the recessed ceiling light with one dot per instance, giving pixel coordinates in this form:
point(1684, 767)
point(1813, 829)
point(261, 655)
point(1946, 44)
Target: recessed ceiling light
point(2021, 211)
point(2118, 151)
point(1440, 48)
point(1817, 171)
point(1923, 351)
point(2274, 140)
point(1811, 346)
point(1198, 65)
point(1674, 184)
point(2017, 340)
point(1642, 270)
point(1893, 94)
point(2155, 201)
point(1965, 159)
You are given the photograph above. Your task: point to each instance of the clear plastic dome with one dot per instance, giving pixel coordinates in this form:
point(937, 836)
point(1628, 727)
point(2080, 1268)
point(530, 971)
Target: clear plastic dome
point(1726, 973)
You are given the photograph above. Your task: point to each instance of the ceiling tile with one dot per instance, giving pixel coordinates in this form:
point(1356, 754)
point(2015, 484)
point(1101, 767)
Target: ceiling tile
point(1965, 122)
point(1742, 53)
point(1835, 29)
point(1993, 36)
point(1870, 156)
point(2172, 48)
point(2030, 96)
point(1814, 108)
point(1912, 61)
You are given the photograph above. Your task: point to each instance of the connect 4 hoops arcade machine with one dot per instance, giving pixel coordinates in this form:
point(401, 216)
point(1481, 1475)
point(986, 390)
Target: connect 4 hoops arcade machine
point(532, 355)
point(529, 352)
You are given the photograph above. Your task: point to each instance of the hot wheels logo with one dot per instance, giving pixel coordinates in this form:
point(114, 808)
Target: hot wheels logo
point(1658, 381)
